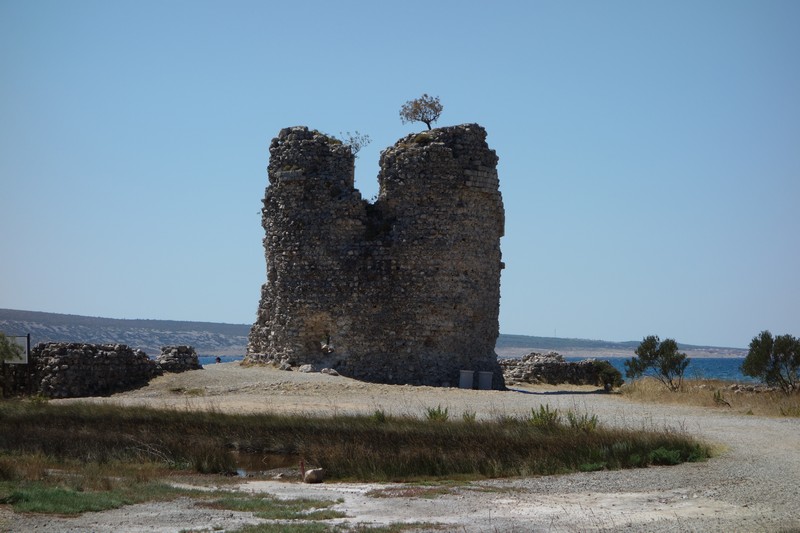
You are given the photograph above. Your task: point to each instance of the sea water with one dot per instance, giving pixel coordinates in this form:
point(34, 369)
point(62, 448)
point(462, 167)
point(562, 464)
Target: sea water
point(726, 368)
point(206, 360)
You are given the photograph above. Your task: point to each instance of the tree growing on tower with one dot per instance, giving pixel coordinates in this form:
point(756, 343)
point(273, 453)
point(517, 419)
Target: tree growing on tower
point(423, 109)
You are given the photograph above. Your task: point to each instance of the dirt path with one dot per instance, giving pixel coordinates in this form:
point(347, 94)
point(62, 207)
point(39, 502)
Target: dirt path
point(751, 486)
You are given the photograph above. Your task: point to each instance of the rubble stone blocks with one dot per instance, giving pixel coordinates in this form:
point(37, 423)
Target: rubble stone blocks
point(403, 290)
point(178, 359)
point(551, 369)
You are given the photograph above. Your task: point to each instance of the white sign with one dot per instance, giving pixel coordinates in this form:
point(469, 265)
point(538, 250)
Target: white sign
point(22, 341)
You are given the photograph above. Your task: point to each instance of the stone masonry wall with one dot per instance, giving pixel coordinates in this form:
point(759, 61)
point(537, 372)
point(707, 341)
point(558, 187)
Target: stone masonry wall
point(402, 290)
point(69, 370)
point(74, 369)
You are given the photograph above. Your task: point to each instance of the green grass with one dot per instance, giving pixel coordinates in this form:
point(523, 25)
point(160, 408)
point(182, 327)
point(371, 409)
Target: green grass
point(52, 496)
point(65, 494)
point(55, 496)
point(61, 500)
point(592, 467)
point(363, 448)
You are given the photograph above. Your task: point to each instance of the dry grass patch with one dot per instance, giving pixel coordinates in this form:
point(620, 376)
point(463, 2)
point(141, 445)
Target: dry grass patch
point(359, 448)
point(715, 394)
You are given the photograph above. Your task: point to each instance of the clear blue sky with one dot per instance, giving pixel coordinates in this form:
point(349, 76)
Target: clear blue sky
point(649, 151)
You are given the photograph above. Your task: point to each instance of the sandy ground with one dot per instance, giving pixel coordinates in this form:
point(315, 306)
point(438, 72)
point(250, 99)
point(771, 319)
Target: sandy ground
point(751, 486)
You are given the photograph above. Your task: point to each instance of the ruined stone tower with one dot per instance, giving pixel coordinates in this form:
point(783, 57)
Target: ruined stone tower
point(402, 290)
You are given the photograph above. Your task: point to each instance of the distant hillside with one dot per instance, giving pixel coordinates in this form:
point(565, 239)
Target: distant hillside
point(557, 343)
point(211, 338)
point(517, 345)
point(208, 338)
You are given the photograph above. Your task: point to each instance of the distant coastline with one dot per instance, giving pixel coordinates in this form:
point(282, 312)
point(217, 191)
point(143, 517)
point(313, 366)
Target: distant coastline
point(220, 339)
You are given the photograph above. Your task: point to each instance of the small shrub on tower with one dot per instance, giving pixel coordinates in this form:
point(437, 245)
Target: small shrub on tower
point(423, 109)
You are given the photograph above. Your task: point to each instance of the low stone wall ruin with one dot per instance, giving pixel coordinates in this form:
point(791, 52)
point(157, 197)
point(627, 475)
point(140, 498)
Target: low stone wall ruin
point(552, 369)
point(73, 370)
point(69, 370)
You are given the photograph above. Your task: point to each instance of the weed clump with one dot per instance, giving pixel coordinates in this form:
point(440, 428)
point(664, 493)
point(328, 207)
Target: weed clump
point(545, 419)
point(437, 414)
point(582, 422)
point(469, 417)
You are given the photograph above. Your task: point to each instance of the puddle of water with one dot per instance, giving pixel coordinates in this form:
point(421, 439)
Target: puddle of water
point(266, 464)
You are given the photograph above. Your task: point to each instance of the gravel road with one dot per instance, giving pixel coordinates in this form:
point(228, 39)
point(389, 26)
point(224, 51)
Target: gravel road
point(752, 485)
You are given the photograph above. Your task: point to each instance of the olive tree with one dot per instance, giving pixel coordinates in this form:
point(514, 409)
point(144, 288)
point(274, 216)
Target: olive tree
point(423, 109)
point(661, 359)
point(356, 141)
point(774, 360)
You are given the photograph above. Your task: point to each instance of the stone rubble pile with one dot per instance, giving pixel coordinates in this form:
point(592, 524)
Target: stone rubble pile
point(739, 388)
point(552, 369)
point(177, 359)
